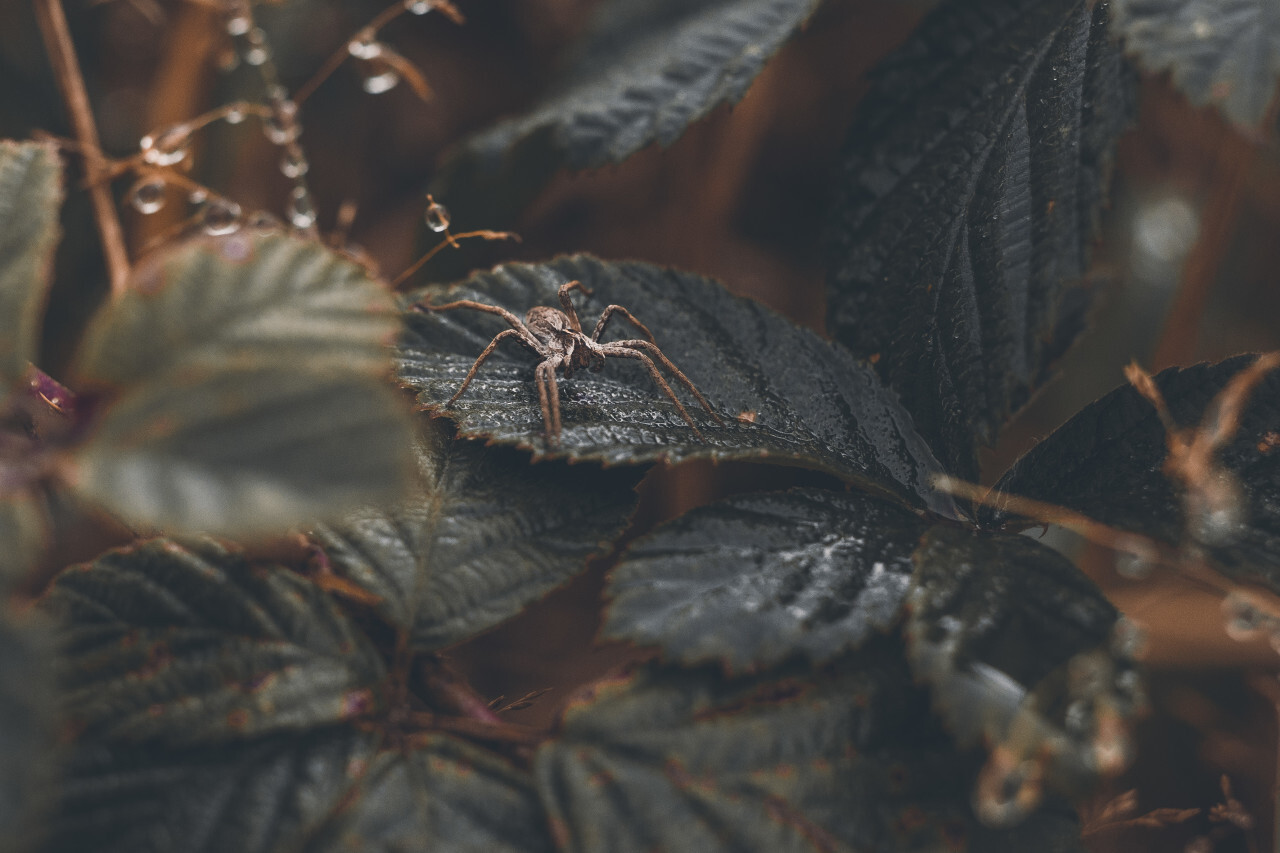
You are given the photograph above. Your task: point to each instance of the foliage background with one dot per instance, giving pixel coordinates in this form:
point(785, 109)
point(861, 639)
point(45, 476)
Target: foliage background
point(741, 197)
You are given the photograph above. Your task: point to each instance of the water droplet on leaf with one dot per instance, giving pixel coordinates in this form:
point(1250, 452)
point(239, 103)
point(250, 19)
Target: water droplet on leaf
point(1244, 620)
point(147, 195)
point(281, 127)
point(168, 147)
point(256, 51)
point(383, 81)
point(220, 217)
point(418, 7)
point(239, 23)
point(365, 46)
point(294, 163)
point(302, 214)
point(234, 116)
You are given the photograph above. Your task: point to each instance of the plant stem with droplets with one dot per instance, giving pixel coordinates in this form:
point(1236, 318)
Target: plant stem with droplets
point(62, 54)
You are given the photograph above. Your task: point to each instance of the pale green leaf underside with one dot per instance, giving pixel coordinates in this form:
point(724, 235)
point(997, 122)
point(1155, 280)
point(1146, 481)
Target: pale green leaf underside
point(193, 644)
point(30, 195)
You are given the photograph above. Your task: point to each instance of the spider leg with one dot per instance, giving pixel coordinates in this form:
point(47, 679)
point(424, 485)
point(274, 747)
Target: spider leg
point(608, 313)
point(490, 309)
point(624, 352)
point(569, 310)
point(505, 333)
point(549, 397)
point(666, 362)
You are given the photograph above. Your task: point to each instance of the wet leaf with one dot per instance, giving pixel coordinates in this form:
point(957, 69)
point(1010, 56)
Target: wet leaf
point(1022, 653)
point(26, 732)
point(848, 760)
point(755, 579)
point(1220, 52)
point(245, 451)
point(785, 395)
point(192, 643)
point(248, 300)
point(30, 195)
point(646, 70)
point(1107, 463)
point(967, 200)
point(267, 794)
point(487, 535)
point(443, 795)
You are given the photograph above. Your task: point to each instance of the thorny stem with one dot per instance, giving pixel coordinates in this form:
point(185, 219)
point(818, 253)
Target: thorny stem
point(61, 50)
point(445, 688)
point(451, 240)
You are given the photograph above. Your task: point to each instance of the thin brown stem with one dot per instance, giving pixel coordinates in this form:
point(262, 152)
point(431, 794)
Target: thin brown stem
point(451, 240)
point(62, 53)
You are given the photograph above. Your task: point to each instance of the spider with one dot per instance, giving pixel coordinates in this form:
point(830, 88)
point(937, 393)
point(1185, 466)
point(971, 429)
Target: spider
point(557, 337)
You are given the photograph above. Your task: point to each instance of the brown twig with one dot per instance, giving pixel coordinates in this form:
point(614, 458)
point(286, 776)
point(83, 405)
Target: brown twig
point(451, 240)
point(62, 54)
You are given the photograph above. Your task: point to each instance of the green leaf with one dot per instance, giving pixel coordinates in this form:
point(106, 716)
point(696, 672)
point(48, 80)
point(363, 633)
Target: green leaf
point(193, 643)
point(487, 535)
point(1022, 653)
point(844, 759)
point(23, 535)
point(1107, 463)
point(965, 206)
point(245, 451)
point(755, 579)
point(26, 726)
point(1220, 52)
point(264, 795)
point(785, 395)
point(443, 795)
point(645, 71)
point(30, 195)
point(249, 300)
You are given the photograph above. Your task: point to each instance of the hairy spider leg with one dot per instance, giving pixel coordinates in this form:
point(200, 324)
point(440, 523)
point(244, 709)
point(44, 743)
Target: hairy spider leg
point(567, 304)
point(608, 313)
point(493, 344)
point(492, 309)
point(667, 363)
point(625, 352)
point(545, 374)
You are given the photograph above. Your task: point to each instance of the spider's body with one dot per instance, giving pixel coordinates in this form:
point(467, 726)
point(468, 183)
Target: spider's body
point(557, 337)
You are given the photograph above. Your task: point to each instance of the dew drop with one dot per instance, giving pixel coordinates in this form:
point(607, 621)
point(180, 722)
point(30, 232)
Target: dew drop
point(1216, 510)
point(1128, 640)
point(168, 147)
point(365, 45)
point(1008, 789)
point(239, 22)
point(302, 214)
point(1135, 559)
point(263, 219)
point(147, 195)
point(384, 81)
point(1244, 620)
point(418, 7)
point(220, 217)
point(294, 163)
point(198, 197)
point(256, 51)
point(281, 127)
point(437, 217)
point(234, 116)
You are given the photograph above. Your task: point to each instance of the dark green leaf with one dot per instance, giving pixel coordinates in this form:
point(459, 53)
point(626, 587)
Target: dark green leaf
point(30, 195)
point(444, 795)
point(646, 70)
point(26, 726)
point(192, 643)
point(1221, 52)
point(785, 394)
point(246, 451)
point(754, 579)
point(968, 198)
point(1017, 645)
point(248, 300)
point(487, 535)
point(849, 760)
point(23, 533)
point(1107, 463)
point(265, 795)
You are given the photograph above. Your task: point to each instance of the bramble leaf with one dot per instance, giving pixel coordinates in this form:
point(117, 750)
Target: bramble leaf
point(845, 759)
point(966, 204)
point(27, 755)
point(784, 394)
point(1107, 463)
point(645, 71)
point(755, 579)
point(444, 794)
point(1021, 651)
point(264, 795)
point(1221, 52)
point(23, 531)
point(245, 451)
point(192, 643)
point(486, 535)
point(30, 195)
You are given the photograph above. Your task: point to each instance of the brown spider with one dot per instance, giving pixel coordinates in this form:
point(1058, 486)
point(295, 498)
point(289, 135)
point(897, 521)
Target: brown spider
point(557, 337)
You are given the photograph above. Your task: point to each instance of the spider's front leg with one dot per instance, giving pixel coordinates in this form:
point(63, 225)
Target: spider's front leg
point(493, 344)
point(549, 397)
point(567, 304)
point(625, 352)
point(653, 350)
point(608, 313)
